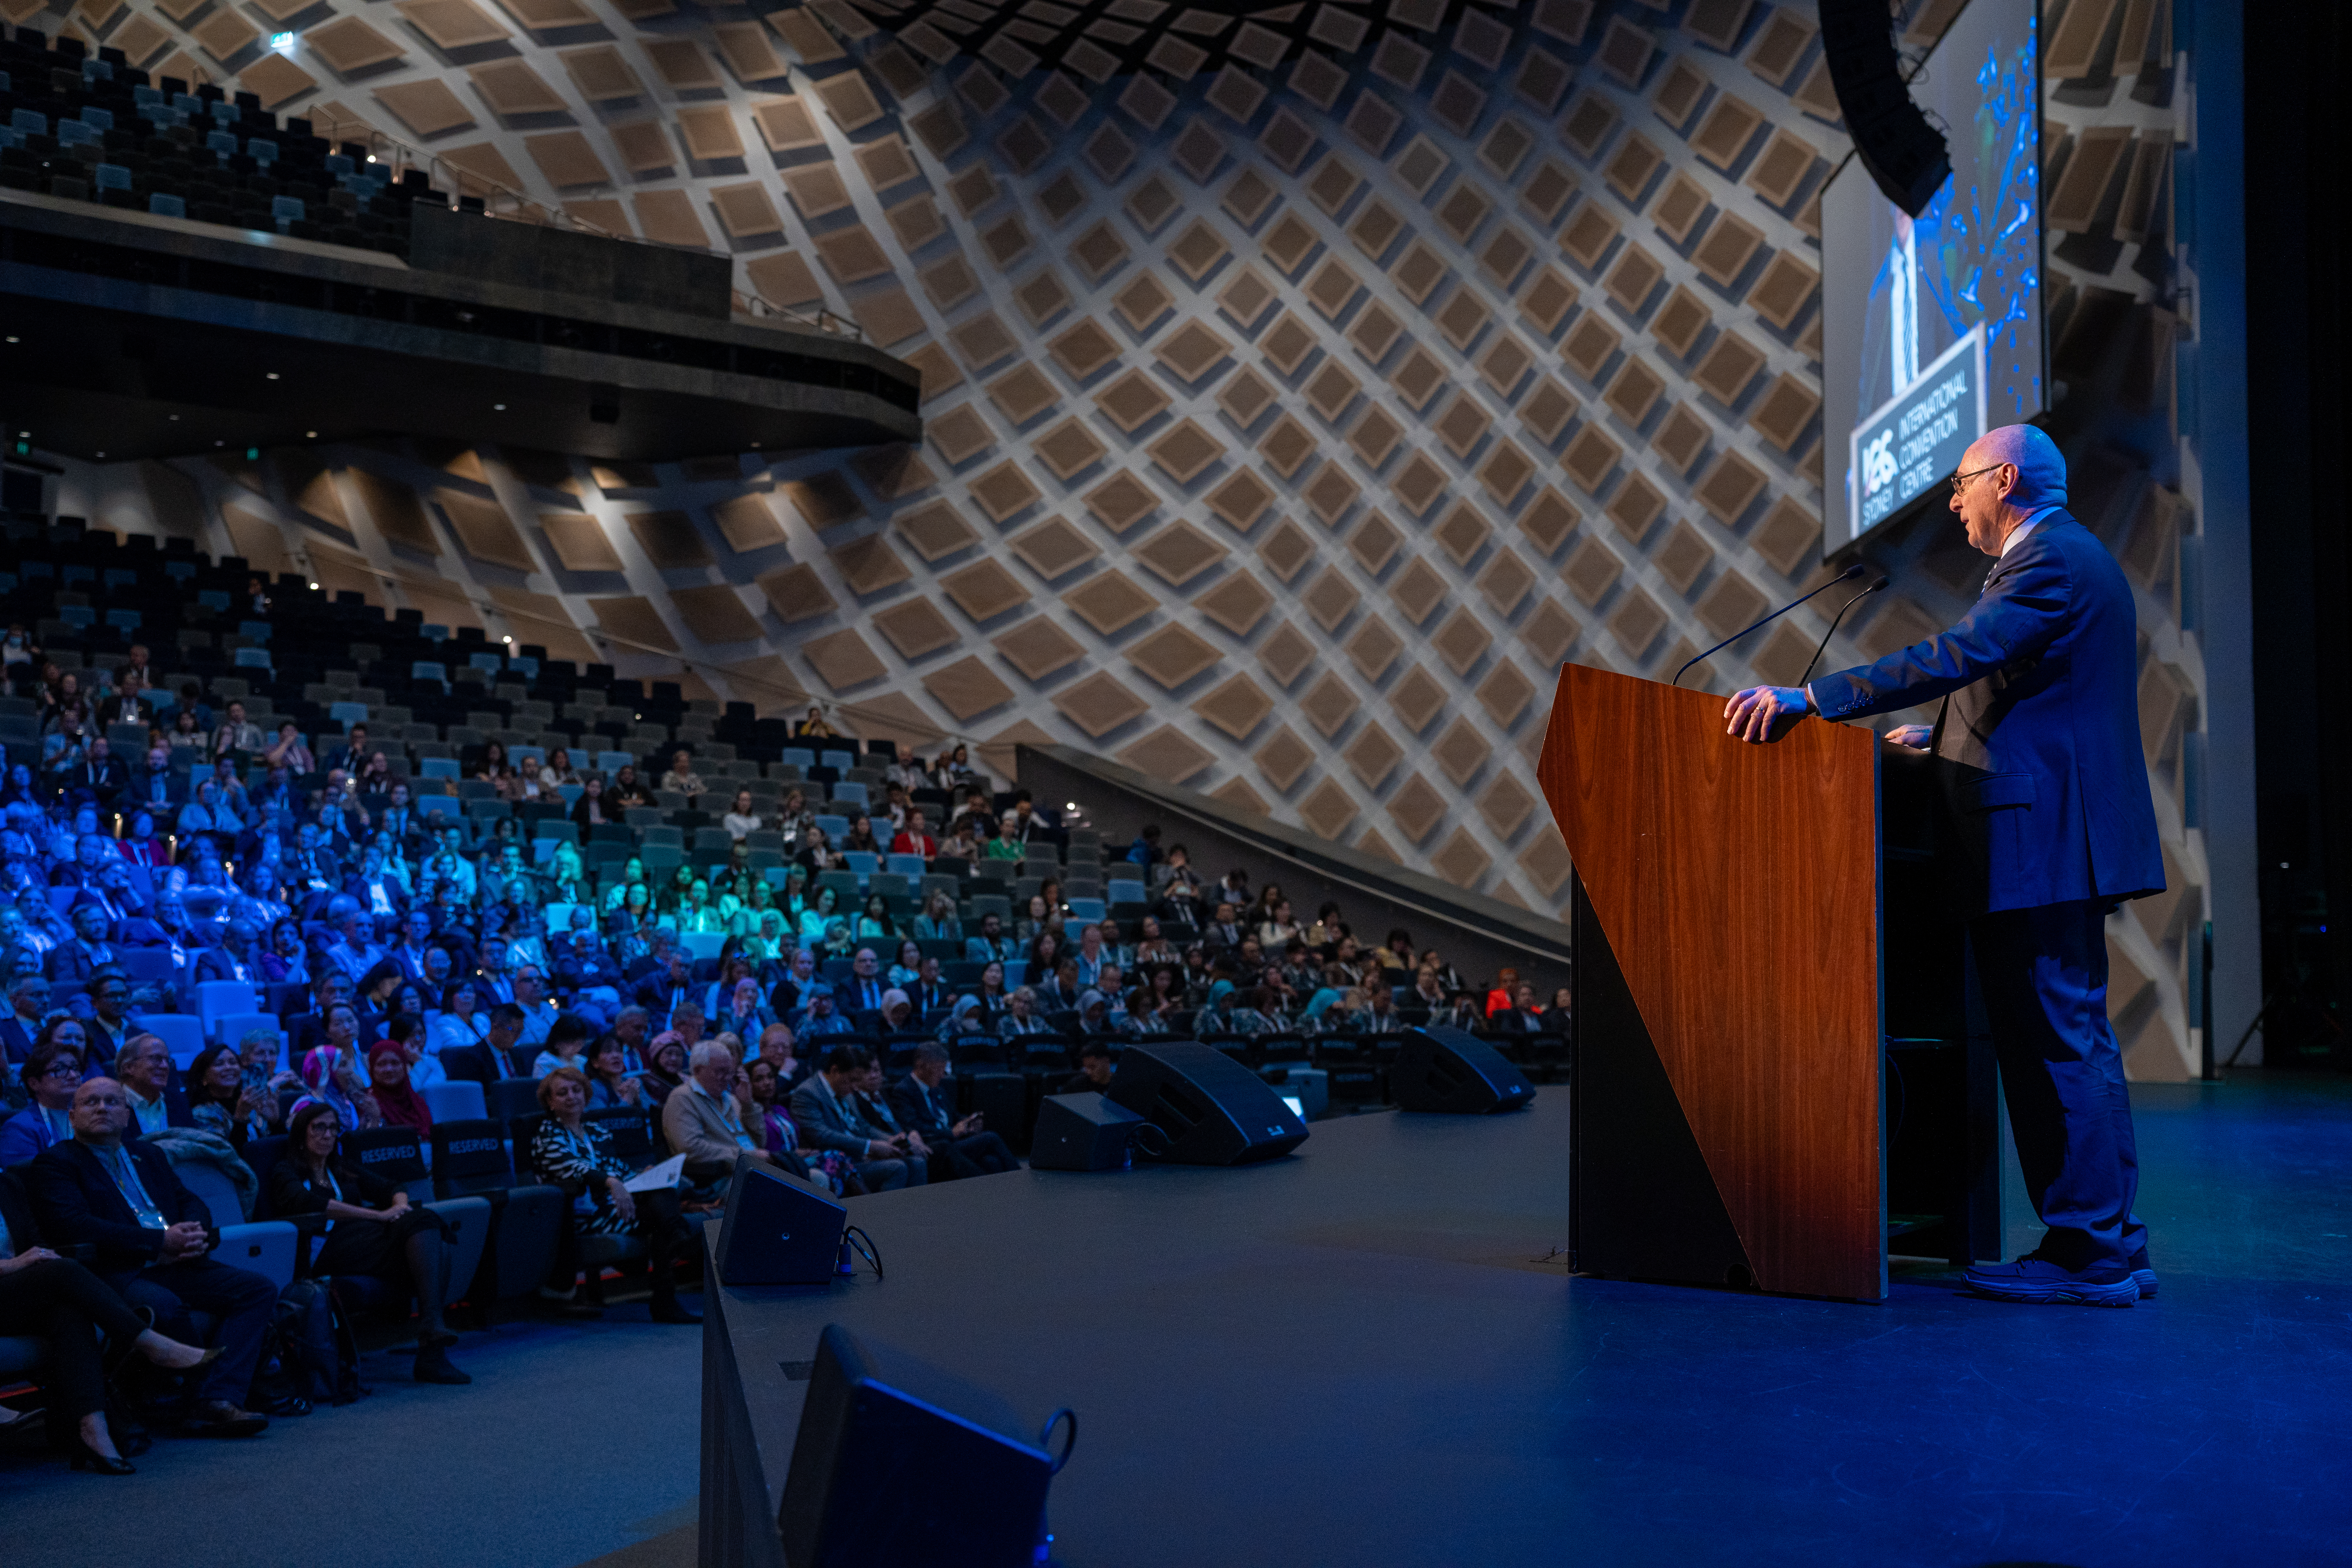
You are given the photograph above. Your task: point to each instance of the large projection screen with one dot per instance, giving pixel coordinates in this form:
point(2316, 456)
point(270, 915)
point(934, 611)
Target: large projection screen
point(1931, 329)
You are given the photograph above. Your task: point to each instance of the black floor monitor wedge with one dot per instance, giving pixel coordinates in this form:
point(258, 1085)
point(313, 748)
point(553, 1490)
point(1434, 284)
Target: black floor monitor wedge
point(1448, 1070)
point(777, 1231)
point(897, 1466)
point(1082, 1132)
point(1214, 1110)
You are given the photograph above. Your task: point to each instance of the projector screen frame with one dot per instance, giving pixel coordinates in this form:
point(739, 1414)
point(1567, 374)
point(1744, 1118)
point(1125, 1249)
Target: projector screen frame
point(1854, 544)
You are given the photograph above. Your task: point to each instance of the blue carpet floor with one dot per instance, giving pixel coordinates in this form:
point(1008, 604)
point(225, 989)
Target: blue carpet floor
point(575, 1442)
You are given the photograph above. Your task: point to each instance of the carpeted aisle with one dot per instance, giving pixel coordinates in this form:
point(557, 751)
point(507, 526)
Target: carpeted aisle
point(576, 1443)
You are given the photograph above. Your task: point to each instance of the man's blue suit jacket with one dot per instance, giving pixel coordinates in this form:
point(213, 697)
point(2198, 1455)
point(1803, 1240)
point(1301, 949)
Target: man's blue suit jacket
point(2048, 786)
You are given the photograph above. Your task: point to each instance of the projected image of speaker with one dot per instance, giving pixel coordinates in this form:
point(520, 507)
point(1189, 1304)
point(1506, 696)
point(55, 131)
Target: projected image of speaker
point(898, 1465)
point(1448, 1070)
point(1212, 1110)
point(1083, 1132)
point(777, 1231)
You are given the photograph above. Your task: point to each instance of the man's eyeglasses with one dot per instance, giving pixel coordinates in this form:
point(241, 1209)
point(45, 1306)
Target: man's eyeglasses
point(1960, 481)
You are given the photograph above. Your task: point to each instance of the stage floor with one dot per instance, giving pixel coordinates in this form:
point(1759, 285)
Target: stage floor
point(1366, 1355)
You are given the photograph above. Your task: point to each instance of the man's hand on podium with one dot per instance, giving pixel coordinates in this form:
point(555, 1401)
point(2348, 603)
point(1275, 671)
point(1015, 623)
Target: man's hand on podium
point(1911, 737)
point(1762, 714)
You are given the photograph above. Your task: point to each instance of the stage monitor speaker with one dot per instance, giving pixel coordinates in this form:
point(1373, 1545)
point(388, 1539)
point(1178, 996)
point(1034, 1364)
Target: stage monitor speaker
point(1083, 1132)
point(1906, 155)
point(777, 1231)
point(896, 1465)
point(1213, 1110)
point(1448, 1070)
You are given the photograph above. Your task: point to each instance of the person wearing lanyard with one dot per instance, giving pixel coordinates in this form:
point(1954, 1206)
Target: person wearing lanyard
point(151, 1236)
point(49, 1078)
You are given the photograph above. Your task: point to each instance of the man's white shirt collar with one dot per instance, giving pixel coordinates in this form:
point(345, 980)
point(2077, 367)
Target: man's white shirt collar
point(2017, 535)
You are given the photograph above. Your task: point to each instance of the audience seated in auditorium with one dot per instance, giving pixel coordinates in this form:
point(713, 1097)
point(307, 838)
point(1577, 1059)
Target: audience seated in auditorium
point(828, 1109)
point(570, 1152)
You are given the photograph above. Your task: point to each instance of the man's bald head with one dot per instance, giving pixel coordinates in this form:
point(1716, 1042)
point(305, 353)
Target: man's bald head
point(2041, 471)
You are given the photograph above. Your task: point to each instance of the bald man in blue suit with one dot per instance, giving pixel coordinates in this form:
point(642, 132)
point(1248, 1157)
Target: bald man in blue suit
point(2048, 791)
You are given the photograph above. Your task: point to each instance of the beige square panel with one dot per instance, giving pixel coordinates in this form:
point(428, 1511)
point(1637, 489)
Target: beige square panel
point(1331, 389)
point(1730, 487)
point(1506, 472)
point(947, 283)
point(1590, 345)
point(960, 434)
point(1186, 451)
point(451, 25)
point(782, 278)
point(1505, 583)
point(1110, 601)
point(1376, 228)
point(894, 471)
point(1373, 755)
point(482, 526)
point(1245, 396)
point(1375, 332)
point(1237, 603)
point(1545, 860)
point(633, 620)
point(887, 163)
point(1591, 570)
point(1461, 750)
point(643, 149)
point(1142, 301)
point(748, 52)
point(1680, 321)
point(1548, 631)
point(1332, 289)
point(1330, 493)
point(1098, 252)
point(567, 160)
point(1418, 378)
point(1037, 647)
point(1121, 501)
point(1173, 655)
point(1005, 491)
point(852, 255)
point(1731, 603)
point(1549, 519)
point(1068, 449)
point(1462, 640)
point(1588, 233)
point(715, 614)
point(1460, 860)
point(1506, 805)
point(669, 540)
point(1286, 446)
point(1634, 278)
point(1132, 401)
point(1728, 250)
point(1328, 705)
point(797, 593)
point(579, 541)
point(973, 188)
point(511, 88)
point(1241, 499)
point(1681, 439)
point(1679, 92)
point(1083, 348)
point(1505, 364)
point(1784, 291)
point(823, 499)
point(1780, 44)
point(1285, 651)
point(1635, 163)
point(785, 125)
point(1547, 410)
point(1374, 648)
point(1419, 484)
point(1192, 350)
point(1727, 368)
point(1683, 556)
point(1637, 622)
point(1465, 206)
point(1417, 807)
point(1248, 197)
point(1724, 136)
point(427, 106)
point(349, 45)
point(1167, 753)
point(1236, 707)
point(1098, 704)
point(1330, 598)
point(1198, 249)
point(1462, 533)
point(1462, 425)
point(1041, 296)
point(1022, 393)
point(1375, 436)
point(869, 565)
point(1286, 550)
point(681, 64)
point(1287, 344)
point(1785, 415)
point(1054, 548)
point(745, 212)
point(967, 688)
point(1288, 244)
point(1636, 507)
point(849, 100)
point(1634, 391)
point(982, 341)
point(1680, 206)
point(1180, 553)
point(1784, 655)
point(1417, 697)
point(1284, 758)
point(1418, 272)
point(1782, 168)
point(916, 221)
point(747, 522)
point(1418, 590)
point(1462, 317)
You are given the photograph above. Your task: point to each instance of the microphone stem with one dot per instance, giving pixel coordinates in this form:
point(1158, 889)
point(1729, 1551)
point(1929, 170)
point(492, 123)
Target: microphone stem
point(1834, 620)
point(1846, 577)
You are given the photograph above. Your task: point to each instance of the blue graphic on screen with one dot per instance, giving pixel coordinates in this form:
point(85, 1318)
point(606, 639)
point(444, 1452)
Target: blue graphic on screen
point(1932, 326)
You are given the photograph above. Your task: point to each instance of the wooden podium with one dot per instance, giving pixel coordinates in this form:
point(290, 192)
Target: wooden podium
point(1733, 928)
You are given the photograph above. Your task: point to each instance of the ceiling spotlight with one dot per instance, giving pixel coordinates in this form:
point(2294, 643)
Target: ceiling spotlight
point(101, 454)
point(500, 407)
point(13, 339)
point(272, 375)
point(314, 587)
point(506, 639)
point(311, 435)
point(175, 418)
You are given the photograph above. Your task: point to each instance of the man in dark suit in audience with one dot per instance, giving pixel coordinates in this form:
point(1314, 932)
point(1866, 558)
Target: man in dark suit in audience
point(921, 1103)
point(108, 1023)
point(28, 1003)
point(99, 779)
point(73, 961)
point(862, 992)
point(151, 1235)
point(2046, 796)
point(827, 1111)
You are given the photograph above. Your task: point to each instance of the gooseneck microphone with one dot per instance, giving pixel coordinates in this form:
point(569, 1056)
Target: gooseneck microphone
point(1848, 575)
point(1849, 604)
